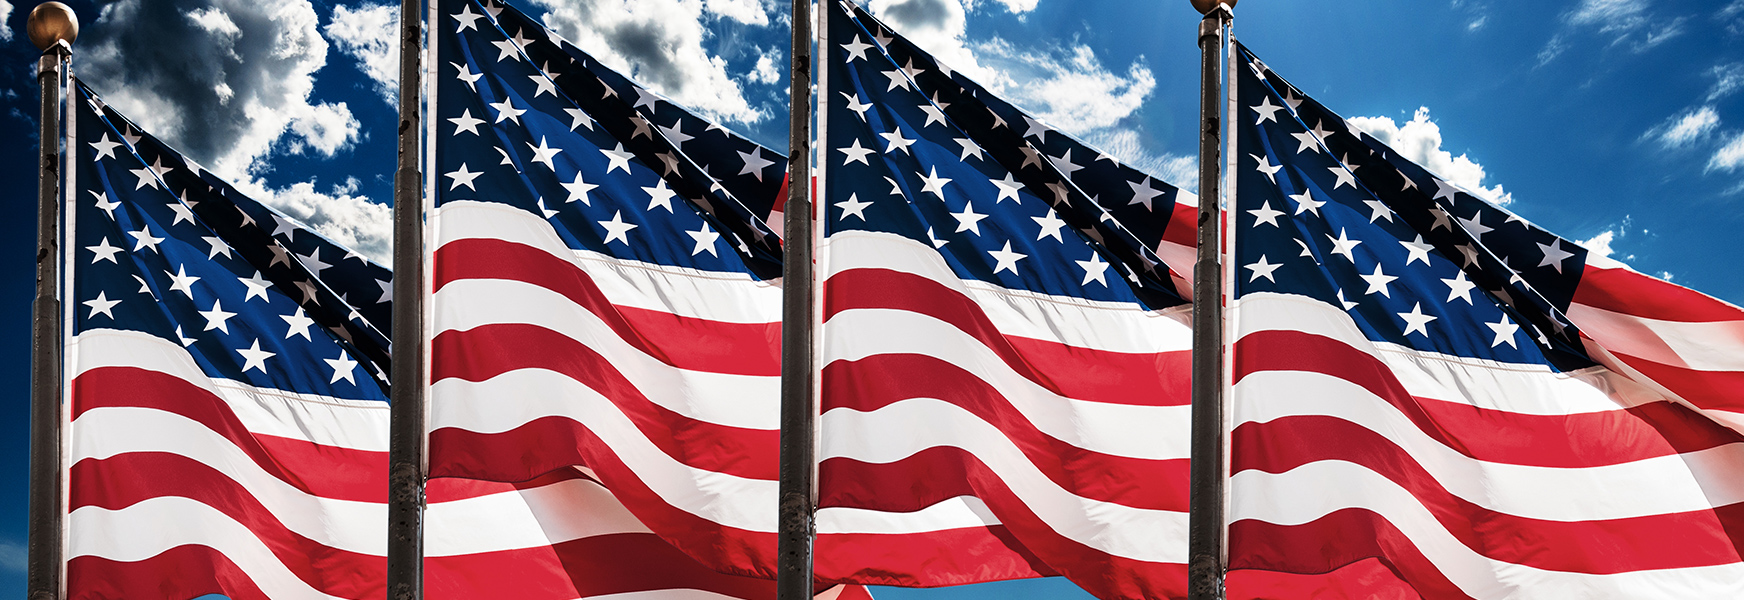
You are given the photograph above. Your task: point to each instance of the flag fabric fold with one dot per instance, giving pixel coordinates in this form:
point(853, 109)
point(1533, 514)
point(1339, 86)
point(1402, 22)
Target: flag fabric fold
point(1004, 373)
point(1434, 397)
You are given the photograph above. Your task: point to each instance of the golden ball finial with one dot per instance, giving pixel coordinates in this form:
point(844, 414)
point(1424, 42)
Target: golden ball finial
point(52, 22)
point(1205, 6)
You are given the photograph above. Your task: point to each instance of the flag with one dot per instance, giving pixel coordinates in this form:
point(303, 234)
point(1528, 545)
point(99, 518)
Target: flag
point(1004, 364)
point(598, 298)
point(1434, 397)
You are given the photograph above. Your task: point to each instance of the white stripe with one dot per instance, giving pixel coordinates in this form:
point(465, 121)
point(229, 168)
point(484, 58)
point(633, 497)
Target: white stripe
point(324, 420)
point(734, 400)
point(1113, 326)
point(149, 528)
point(1426, 374)
point(1119, 429)
point(1700, 346)
point(1668, 484)
point(717, 296)
point(532, 518)
point(902, 429)
point(1656, 389)
point(953, 513)
point(1317, 489)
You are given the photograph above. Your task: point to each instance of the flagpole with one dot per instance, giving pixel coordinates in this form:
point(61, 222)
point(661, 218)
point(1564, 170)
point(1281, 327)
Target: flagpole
point(406, 432)
point(52, 27)
point(798, 489)
point(1205, 521)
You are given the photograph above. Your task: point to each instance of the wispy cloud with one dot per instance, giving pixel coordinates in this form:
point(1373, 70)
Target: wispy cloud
point(1728, 78)
point(1730, 156)
point(1629, 24)
point(1419, 140)
point(13, 556)
point(1680, 130)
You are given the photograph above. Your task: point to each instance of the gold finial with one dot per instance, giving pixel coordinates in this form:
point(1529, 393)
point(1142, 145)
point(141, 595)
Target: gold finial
point(52, 22)
point(1205, 6)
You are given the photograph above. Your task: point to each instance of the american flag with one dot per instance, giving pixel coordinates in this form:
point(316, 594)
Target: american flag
point(599, 299)
point(1004, 382)
point(1435, 397)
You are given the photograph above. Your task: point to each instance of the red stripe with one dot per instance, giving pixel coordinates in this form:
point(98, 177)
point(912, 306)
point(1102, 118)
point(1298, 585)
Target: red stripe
point(1630, 293)
point(1179, 229)
point(1367, 578)
point(683, 342)
point(1146, 379)
point(127, 479)
point(489, 350)
point(581, 568)
point(448, 489)
point(1665, 541)
point(1578, 440)
point(1711, 390)
point(928, 559)
point(180, 572)
point(1330, 542)
point(327, 471)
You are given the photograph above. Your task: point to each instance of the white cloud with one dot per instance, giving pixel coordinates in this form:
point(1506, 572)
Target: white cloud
point(350, 220)
point(235, 84)
point(1728, 78)
point(13, 557)
point(1730, 156)
point(749, 12)
point(1600, 244)
point(5, 13)
point(1419, 140)
point(1180, 170)
point(1610, 15)
point(660, 43)
point(766, 71)
point(370, 33)
point(1680, 130)
point(1069, 88)
point(1626, 22)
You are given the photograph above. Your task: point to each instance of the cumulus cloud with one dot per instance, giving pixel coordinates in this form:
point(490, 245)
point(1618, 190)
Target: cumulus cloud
point(1680, 130)
point(660, 42)
point(1730, 156)
point(336, 212)
point(1600, 244)
point(235, 83)
point(766, 71)
point(5, 14)
point(1419, 140)
point(370, 34)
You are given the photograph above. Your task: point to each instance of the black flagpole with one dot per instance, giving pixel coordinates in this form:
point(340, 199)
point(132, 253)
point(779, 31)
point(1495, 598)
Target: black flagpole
point(406, 435)
point(1205, 527)
point(798, 407)
point(52, 27)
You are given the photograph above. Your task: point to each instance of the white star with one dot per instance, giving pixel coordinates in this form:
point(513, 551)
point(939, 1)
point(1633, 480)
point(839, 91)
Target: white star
point(934, 114)
point(1345, 177)
point(544, 154)
point(313, 261)
point(1418, 251)
point(255, 358)
point(104, 251)
point(937, 243)
point(969, 220)
point(898, 79)
point(970, 148)
point(619, 159)
point(616, 228)
point(466, 122)
point(1266, 214)
point(105, 148)
point(285, 226)
point(1263, 269)
point(183, 213)
point(660, 196)
point(467, 18)
point(911, 71)
point(1008, 188)
point(855, 105)
point(934, 184)
point(506, 49)
point(856, 49)
point(1459, 287)
point(1475, 225)
point(1036, 129)
point(578, 189)
point(1306, 252)
point(1030, 157)
point(387, 291)
point(1305, 141)
point(142, 239)
point(463, 177)
point(895, 190)
point(754, 163)
point(1468, 254)
point(668, 163)
point(105, 205)
point(1005, 259)
point(1346, 303)
point(646, 98)
point(1444, 190)
point(578, 119)
point(1505, 330)
point(1305, 203)
point(1319, 128)
point(1064, 163)
point(1143, 193)
point(1061, 196)
point(297, 324)
point(343, 367)
point(1378, 282)
point(1094, 269)
point(506, 111)
point(705, 240)
point(1343, 245)
point(1415, 320)
point(543, 85)
point(308, 289)
point(1050, 224)
point(215, 318)
point(186, 341)
point(998, 121)
point(145, 177)
point(1554, 255)
point(102, 304)
point(894, 141)
point(145, 288)
point(1441, 220)
point(1378, 210)
point(1267, 111)
point(856, 153)
point(465, 74)
point(853, 206)
point(675, 133)
point(642, 129)
point(1267, 167)
point(256, 287)
point(181, 281)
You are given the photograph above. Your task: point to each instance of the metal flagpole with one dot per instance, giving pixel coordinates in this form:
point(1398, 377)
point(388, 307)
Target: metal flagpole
point(798, 489)
point(1205, 526)
point(52, 27)
point(406, 434)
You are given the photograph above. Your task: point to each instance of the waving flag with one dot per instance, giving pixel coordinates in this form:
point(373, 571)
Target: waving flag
point(1435, 397)
point(1004, 396)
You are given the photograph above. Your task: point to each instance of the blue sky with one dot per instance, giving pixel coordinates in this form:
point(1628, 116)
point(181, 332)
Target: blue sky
point(1619, 122)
